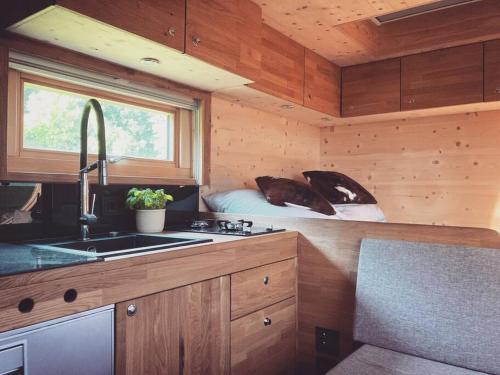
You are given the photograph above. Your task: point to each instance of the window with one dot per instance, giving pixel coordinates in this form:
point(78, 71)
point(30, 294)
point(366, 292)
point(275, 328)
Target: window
point(51, 121)
point(154, 140)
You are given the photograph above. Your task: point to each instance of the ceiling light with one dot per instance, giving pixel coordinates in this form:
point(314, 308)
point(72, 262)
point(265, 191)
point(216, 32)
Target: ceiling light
point(150, 61)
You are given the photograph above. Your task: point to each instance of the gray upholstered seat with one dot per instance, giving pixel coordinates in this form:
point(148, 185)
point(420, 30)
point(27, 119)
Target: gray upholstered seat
point(371, 360)
point(433, 301)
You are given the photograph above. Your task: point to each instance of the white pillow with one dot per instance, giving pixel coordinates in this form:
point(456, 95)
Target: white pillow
point(253, 202)
point(359, 212)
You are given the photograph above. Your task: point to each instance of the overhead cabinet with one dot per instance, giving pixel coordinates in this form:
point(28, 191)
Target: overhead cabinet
point(441, 78)
point(371, 88)
point(492, 71)
point(322, 84)
point(282, 66)
point(226, 34)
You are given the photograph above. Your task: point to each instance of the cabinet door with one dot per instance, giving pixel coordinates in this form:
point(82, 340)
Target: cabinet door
point(282, 72)
point(226, 34)
point(264, 342)
point(371, 88)
point(180, 331)
point(157, 20)
point(322, 84)
point(492, 71)
point(444, 77)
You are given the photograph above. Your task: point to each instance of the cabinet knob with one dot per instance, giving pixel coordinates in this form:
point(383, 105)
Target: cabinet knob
point(267, 322)
point(266, 280)
point(131, 310)
point(196, 40)
point(172, 31)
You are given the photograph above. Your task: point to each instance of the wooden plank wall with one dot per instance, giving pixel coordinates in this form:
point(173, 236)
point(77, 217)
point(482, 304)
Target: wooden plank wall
point(328, 260)
point(441, 170)
point(247, 143)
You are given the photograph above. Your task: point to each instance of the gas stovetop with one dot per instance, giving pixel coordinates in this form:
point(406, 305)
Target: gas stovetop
point(228, 227)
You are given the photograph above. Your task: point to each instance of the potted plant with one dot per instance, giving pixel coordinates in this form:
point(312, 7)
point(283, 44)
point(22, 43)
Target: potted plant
point(149, 206)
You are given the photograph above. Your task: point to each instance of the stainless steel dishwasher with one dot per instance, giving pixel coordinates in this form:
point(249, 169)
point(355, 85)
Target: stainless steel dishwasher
point(79, 344)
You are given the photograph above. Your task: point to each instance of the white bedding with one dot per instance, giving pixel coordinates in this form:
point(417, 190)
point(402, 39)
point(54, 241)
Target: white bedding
point(253, 202)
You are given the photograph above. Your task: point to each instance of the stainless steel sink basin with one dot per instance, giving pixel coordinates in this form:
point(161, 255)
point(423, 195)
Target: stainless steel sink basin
point(123, 244)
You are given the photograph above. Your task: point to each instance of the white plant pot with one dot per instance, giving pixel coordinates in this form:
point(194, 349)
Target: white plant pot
point(150, 221)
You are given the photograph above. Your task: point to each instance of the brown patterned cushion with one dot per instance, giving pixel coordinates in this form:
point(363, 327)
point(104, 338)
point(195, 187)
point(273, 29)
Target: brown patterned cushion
point(338, 188)
point(279, 191)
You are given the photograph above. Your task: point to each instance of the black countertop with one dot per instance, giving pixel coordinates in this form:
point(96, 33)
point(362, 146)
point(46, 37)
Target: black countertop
point(16, 259)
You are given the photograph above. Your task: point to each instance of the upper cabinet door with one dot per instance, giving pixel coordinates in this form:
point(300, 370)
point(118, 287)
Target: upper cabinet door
point(157, 20)
point(282, 72)
point(441, 78)
point(322, 84)
point(225, 33)
point(371, 88)
point(492, 71)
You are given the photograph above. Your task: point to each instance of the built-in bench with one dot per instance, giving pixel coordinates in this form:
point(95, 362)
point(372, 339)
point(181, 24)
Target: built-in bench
point(425, 308)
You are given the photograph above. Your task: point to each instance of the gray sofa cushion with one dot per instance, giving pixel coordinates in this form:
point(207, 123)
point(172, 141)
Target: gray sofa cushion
point(370, 360)
point(438, 302)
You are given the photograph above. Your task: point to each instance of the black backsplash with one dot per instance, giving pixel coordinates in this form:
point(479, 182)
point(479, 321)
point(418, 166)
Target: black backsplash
point(56, 213)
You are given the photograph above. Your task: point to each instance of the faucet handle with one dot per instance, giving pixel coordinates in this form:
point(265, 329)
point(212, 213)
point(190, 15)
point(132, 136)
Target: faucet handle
point(93, 204)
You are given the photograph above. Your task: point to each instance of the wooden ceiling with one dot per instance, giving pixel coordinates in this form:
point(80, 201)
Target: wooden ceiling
point(343, 32)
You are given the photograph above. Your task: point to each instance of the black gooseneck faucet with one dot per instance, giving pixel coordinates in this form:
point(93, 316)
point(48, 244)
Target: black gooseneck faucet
point(87, 216)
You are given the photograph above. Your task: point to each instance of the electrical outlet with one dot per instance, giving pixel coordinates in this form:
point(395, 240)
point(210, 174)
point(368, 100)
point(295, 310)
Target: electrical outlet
point(327, 341)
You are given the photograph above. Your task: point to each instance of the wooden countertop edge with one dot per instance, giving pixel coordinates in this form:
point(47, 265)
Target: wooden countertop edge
point(220, 243)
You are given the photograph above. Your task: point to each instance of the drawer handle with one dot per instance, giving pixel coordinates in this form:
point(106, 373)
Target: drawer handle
point(267, 322)
point(266, 280)
point(196, 40)
point(70, 295)
point(26, 305)
point(172, 31)
point(131, 310)
point(497, 90)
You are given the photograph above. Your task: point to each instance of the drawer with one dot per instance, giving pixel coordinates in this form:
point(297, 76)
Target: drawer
point(264, 341)
point(260, 287)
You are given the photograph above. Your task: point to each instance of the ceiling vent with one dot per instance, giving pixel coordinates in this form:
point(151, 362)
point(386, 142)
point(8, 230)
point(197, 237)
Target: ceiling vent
point(422, 9)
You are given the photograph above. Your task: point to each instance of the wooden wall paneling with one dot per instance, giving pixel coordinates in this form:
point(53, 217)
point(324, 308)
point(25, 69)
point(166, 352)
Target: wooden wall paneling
point(444, 77)
point(247, 143)
point(160, 21)
point(282, 67)
point(371, 88)
point(265, 349)
point(14, 11)
point(183, 330)
point(226, 34)
point(492, 71)
point(439, 170)
point(321, 84)
point(328, 259)
point(4, 74)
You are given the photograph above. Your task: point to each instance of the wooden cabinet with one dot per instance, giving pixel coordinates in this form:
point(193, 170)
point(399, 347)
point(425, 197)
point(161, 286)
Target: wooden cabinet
point(179, 331)
point(264, 342)
point(322, 84)
point(282, 66)
point(492, 71)
point(157, 20)
point(226, 34)
point(441, 78)
point(371, 88)
point(259, 287)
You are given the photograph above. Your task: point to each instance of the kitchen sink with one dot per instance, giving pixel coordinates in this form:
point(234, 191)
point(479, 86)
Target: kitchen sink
point(123, 244)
